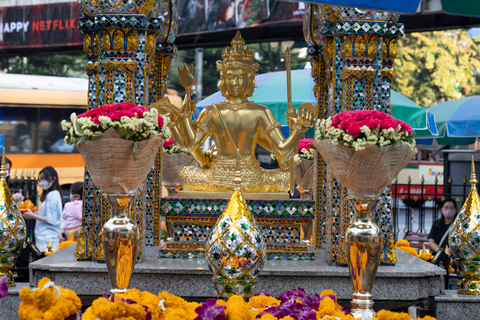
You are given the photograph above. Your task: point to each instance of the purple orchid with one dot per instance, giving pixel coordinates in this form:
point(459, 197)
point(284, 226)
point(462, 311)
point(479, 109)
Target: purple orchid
point(296, 310)
point(208, 311)
point(3, 287)
point(298, 293)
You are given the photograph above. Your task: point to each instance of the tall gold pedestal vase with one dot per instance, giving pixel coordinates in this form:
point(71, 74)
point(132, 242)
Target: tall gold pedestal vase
point(120, 239)
point(363, 241)
point(109, 160)
point(365, 173)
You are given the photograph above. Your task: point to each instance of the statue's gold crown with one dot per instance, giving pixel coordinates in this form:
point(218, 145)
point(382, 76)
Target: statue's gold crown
point(237, 56)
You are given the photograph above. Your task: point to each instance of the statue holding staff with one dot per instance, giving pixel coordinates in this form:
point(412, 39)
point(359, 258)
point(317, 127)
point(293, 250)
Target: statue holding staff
point(236, 123)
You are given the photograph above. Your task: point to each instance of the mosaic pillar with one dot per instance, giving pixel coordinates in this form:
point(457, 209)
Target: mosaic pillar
point(313, 36)
point(359, 47)
point(122, 41)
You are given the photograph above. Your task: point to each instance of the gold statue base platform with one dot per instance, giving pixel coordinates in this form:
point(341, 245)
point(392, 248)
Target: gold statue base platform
point(188, 194)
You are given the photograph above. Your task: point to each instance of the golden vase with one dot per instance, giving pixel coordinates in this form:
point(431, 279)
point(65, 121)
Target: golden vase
point(121, 239)
point(363, 241)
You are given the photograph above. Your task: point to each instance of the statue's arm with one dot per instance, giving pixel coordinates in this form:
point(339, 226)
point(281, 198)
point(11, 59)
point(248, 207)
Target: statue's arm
point(284, 148)
point(189, 135)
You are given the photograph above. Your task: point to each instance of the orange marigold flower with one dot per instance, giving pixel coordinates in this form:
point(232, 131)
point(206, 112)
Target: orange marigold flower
point(262, 302)
point(327, 292)
point(268, 316)
point(427, 318)
point(402, 243)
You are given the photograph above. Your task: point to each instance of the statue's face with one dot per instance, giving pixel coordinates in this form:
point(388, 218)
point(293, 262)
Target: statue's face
point(235, 80)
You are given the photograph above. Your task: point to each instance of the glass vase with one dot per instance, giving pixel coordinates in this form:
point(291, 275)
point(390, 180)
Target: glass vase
point(363, 241)
point(121, 240)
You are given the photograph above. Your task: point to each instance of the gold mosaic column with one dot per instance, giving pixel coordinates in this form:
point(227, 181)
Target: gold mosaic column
point(121, 43)
point(359, 47)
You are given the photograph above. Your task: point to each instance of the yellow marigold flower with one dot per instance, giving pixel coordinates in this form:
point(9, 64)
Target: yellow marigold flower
point(389, 315)
point(26, 296)
point(262, 302)
point(49, 253)
point(329, 318)
point(326, 311)
point(427, 318)
point(451, 270)
point(287, 318)
point(43, 282)
point(176, 314)
point(65, 244)
point(425, 256)
point(172, 301)
point(237, 309)
point(327, 303)
point(402, 243)
point(327, 292)
point(268, 316)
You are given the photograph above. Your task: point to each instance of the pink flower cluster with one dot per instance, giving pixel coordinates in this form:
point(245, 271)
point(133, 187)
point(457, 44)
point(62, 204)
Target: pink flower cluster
point(168, 143)
point(305, 144)
point(353, 121)
point(116, 111)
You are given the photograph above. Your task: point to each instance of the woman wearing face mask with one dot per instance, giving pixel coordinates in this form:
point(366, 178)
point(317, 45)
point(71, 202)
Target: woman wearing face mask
point(72, 214)
point(49, 216)
point(440, 227)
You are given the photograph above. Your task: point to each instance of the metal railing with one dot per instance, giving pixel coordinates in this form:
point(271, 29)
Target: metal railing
point(416, 206)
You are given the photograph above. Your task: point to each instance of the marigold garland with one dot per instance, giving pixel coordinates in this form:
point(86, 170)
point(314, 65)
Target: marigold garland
point(136, 305)
point(48, 302)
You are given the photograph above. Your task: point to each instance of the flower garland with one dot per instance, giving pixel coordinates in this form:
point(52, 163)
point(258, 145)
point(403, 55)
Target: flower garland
point(48, 302)
point(132, 122)
point(356, 129)
point(291, 305)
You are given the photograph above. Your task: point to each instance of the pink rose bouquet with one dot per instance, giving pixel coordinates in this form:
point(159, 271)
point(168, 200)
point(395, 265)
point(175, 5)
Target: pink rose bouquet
point(306, 148)
point(132, 122)
point(356, 129)
point(365, 149)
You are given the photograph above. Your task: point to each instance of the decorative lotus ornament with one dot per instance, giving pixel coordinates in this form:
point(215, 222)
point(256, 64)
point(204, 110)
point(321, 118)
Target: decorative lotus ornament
point(464, 241)
point(332, 14)
point(236, 250)
point(12, 229)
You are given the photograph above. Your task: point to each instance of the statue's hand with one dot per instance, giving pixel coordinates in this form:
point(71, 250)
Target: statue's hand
point(305, 118)
point(188, 106)
point(187, 80)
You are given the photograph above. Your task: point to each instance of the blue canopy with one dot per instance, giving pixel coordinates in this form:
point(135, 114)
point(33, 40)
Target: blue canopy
point(391, 5)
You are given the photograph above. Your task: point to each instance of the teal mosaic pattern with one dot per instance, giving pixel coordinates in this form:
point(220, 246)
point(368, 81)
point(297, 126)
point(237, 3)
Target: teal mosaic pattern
point(275, 209)
point(120, 21)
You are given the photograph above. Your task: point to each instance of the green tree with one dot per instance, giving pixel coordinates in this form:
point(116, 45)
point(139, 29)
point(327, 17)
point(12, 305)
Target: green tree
point(270, 57)
point(433, 67)
point(62, 65)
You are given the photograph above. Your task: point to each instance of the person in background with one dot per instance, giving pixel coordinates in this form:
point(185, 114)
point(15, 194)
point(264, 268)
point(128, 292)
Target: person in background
point(436, 237)
point(49, 216)
point(72, 214)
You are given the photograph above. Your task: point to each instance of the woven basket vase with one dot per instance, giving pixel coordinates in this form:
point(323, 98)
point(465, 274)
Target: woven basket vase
point(172, 165)
point(364, 172)
point(109, 160)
